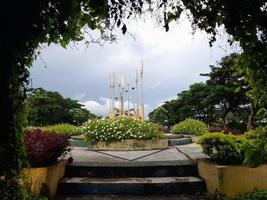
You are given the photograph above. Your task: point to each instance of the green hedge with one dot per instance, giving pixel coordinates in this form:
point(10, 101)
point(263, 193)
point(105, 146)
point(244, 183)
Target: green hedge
point(66, 129)
point(190, 126)
point(120, 129)
point(222, 148)
point(257, 133)
point(234, 149)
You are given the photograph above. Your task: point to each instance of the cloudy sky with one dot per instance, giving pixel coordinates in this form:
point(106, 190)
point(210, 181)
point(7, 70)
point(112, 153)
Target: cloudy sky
point(172, 61)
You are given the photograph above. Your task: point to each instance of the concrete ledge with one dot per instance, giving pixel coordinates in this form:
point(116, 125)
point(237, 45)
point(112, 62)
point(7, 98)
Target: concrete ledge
point(37, 176)
point(135, 163)
point(130, 145)
point(232, 180)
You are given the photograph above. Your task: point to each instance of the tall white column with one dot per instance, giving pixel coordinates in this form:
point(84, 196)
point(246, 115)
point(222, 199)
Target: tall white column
point(142, 91)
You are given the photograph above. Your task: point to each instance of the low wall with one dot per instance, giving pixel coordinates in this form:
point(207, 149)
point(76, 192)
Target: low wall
point(130, 145)
point(232, 180)
point(35, 177)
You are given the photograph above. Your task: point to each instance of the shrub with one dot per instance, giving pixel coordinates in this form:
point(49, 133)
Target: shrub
point(255, 195)
point(234, 149)
point(257, 150)
point(190, 126)
point(65, 129)
point(9, 189)
point(44, 148)
point(120, 129)
point(224, 149)
point(258, 133)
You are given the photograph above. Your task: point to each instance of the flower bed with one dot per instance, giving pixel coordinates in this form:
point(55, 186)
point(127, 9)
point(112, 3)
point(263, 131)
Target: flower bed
point(120, 129)
point(123, 134)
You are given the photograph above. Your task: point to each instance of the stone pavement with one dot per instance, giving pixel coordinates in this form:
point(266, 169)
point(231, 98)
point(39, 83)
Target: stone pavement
point(133, 197)
point(173, 155)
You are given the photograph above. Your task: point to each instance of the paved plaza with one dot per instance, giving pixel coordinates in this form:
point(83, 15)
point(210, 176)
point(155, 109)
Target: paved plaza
point(173, 155)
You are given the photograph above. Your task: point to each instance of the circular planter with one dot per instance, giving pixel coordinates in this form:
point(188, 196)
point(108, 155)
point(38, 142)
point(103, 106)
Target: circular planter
point(130, 145)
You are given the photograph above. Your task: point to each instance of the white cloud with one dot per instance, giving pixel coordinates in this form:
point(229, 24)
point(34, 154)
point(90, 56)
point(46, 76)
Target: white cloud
point(100, 107)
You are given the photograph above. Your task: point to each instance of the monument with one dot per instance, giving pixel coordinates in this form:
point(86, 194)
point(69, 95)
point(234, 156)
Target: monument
point(124, 92)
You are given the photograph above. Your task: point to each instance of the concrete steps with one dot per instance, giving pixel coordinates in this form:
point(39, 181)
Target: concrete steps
point(136, 186)
point(88, 180)
point(179, 141)
point(123, 172)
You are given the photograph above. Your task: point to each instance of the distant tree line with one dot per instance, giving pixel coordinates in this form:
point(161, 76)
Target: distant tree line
point(226, 100)
point(44, 107)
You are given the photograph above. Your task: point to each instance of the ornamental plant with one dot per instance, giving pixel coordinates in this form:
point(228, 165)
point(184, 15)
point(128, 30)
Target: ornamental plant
point(234, 149)
point(222, 148)
point(65, 129)
point(190, 126)
point(254, 195)
point(44, 148)
point(119, 129)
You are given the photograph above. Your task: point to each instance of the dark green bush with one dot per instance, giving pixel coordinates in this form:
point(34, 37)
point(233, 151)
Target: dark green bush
point(190, 126)
point(234, 149)
point(224, 149)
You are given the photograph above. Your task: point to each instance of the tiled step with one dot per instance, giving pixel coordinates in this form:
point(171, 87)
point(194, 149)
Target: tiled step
point(121, 172)
point(137, 186)
point(172, 136)
point(180, 141)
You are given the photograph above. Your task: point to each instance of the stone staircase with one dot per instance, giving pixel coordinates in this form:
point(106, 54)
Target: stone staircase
point(131, 180)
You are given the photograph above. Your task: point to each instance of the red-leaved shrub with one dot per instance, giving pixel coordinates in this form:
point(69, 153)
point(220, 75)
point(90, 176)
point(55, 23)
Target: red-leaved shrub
point(44, 148)
point(226, 131)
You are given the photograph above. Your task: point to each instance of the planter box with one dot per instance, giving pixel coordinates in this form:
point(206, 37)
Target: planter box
point(232, 180)
point(130, 145)
point(37, 176)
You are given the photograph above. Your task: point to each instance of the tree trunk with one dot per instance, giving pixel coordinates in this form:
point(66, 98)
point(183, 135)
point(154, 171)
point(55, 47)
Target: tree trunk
point(250, 117)
point(224, 123)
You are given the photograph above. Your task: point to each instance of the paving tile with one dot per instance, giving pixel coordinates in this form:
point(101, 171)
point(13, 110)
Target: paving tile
point(170, 154)
point(84, 155)
point(129, 155)
point(194, 151)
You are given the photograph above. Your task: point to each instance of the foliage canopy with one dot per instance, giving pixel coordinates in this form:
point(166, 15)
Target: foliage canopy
point(226, 100)
point(38, 22)
point(48, 108)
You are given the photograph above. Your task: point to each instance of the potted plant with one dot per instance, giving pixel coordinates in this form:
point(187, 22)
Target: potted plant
point(46, 153)
point(237, 163)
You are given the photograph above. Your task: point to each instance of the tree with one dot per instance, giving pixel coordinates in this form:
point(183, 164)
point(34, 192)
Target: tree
point(188, 104)
point(159, 115)
point(29, 24)
point(226, 96)
point(47, 107)
point(231, 92)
